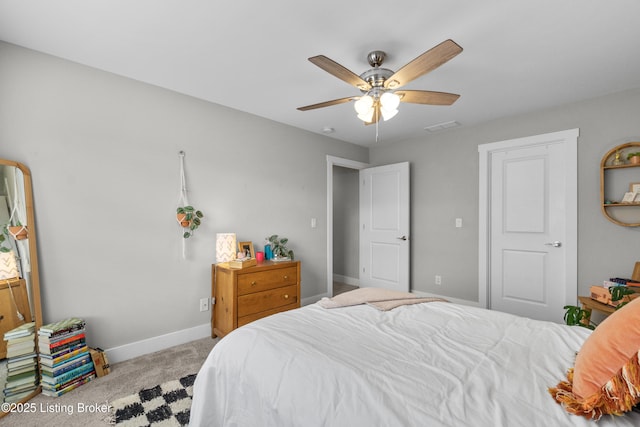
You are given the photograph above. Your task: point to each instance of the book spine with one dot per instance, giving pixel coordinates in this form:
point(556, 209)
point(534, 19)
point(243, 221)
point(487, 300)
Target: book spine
point(61, 386)
point(71, 338)
point(68, 376)
point(59, 350)
point(49, 361)
point(69, 387)
point(619, 280)
point(47, 340)
point(66, 367)
point(609, 283)
point(51, 333)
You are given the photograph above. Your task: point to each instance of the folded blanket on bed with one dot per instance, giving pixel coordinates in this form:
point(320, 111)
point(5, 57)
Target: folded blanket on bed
point(382, 299)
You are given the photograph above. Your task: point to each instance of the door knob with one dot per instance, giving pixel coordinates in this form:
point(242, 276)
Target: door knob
point(555, 244)
point(402, 238)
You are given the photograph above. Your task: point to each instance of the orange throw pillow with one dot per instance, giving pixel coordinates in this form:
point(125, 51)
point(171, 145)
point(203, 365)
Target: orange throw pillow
point(606, 376)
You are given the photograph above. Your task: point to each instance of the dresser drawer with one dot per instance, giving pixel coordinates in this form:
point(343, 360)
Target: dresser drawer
point(265, 280)
point(267, 300)
point(251, 317)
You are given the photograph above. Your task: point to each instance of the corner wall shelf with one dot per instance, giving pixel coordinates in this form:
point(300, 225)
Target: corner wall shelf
point(615, 181)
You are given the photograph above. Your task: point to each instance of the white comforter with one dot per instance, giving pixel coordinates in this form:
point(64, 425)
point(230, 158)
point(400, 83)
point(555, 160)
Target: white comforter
point(433, 364)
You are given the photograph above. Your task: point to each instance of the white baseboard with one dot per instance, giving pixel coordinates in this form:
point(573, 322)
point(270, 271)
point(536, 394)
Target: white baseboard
point(346, 280)
point(453, 300)
point(151, 345)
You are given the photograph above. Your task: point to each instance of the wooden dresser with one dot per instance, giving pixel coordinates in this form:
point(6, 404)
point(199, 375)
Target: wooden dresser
point(248, 294)
point(8, 313)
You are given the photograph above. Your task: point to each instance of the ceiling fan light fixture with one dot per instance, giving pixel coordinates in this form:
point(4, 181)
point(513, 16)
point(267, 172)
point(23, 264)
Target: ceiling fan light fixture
point(367, 116)
point(390, 101)
point(363, 105)
point(388, 114)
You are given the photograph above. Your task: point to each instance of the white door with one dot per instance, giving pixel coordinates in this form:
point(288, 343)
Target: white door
point(384, 222)
point(532, 238)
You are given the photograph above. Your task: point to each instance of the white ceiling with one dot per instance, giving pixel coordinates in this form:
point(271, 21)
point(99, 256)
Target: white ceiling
point(251, 55)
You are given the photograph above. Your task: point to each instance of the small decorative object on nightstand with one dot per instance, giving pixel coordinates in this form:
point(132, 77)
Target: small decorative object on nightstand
point(244, 295)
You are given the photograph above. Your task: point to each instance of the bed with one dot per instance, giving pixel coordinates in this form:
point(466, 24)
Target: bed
point(427, 364)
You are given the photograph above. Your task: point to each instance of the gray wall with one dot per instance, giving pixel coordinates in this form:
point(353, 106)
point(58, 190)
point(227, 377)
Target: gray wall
point(444, 186)
point(103, 152)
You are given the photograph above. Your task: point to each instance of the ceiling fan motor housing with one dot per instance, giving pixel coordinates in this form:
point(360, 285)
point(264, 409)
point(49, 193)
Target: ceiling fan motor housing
point(376, 77)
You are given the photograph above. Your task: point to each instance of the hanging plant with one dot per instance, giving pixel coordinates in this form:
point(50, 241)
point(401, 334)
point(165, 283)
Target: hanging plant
point(18, 232)
point(189, 218)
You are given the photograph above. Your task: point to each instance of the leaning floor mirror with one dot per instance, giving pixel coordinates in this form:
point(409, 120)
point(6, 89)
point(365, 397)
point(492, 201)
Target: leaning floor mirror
point(20, 309)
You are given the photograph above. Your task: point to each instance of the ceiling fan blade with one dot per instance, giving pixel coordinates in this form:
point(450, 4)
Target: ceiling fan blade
point(332, 67)
point(327, 103)
point(428, 61)
point(427, 97)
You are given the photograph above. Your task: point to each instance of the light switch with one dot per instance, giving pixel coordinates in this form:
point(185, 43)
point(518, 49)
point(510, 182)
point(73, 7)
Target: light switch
point(458, 222)
point(314, 223)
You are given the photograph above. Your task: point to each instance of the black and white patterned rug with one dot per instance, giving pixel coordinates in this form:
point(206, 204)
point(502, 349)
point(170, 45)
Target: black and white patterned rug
point(167, 404)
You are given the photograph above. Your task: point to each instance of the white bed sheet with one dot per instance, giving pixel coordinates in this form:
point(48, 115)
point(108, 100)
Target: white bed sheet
point(433, 364)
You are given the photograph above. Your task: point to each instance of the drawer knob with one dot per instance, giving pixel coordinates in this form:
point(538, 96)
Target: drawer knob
point(253, 283)
point(286, 277)
point(286, 296)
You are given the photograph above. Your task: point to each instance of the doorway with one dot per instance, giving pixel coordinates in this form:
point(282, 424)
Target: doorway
point(528, 225)
point(385, 218)
point(344, 166)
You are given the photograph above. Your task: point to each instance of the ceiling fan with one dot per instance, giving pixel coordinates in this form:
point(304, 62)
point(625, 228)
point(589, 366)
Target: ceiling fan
point(379, 85)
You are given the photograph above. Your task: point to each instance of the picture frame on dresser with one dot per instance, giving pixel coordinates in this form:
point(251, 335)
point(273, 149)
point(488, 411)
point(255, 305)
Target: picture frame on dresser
point(247, 248)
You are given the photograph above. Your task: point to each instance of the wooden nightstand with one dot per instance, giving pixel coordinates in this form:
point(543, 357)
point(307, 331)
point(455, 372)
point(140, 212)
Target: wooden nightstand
point(591, 304)
point(248, 294)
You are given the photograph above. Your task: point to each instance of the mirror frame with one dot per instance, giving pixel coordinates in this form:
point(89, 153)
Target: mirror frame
point(33, 255)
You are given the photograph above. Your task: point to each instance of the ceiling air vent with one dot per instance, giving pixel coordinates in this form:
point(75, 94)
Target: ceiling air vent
point(441, 126)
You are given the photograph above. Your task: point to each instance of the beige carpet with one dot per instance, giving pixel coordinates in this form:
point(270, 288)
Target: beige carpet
point(125, 378)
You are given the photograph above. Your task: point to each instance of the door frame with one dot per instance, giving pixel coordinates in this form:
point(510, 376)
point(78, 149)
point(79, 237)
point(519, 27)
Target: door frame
point(570, 140)
point(331, 162)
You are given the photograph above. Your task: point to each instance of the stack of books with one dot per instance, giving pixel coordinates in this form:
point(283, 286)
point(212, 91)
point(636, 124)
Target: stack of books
point(65, 362)
point(618, 281)
point(22, 363)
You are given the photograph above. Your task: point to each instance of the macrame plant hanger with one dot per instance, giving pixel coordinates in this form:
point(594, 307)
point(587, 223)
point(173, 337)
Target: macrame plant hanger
point(183, 199)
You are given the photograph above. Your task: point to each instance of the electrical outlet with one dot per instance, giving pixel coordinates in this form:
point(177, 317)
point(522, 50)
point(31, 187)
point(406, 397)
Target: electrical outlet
point(204, 304)
point(438, 280)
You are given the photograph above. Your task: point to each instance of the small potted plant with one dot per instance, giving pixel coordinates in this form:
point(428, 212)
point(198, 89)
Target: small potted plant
point(634, 158)
point(189, 218)
point(18, 232)
point(279, 248)
point(576, 316)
